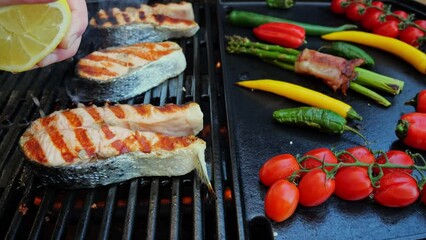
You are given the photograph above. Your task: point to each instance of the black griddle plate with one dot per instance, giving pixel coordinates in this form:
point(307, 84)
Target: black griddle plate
point(255, 137)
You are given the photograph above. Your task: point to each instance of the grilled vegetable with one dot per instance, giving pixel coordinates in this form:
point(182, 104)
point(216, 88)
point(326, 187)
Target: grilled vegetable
point(119, 73)
point(419, 101)
point(411, 130)
point(286, 57)
point(251, 19)
point(303, 95)
point(283, 34)
point(280, 3)
point(399, 48)
point(348, 51)
point(322, 119)
point(130, 25)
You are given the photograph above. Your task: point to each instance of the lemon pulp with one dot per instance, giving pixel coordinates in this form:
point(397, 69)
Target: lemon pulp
point(29, 32)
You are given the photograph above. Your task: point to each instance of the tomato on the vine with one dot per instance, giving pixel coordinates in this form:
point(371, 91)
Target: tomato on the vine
point(361, 153)
point(387, 29)
point(356, 11)
point(396, 157)
point(339, 6)
point(396, 189)
point(411, 35)
point(323, 154)
point(376, 4)
point(281, 200)
point(399, 13)
point(421, 23)
point(279, 167)
point(353, 183)
point(372, 20)
point(315, 188)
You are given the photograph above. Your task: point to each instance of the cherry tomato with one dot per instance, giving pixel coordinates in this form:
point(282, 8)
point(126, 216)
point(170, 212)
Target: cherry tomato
point(352, 183)
point(281, 200)
point(315, 188)
point(372, 20)
point(339, 6)
point(388, 29)
point(279, 167)
point(377, 4)
point(411, 35)
point(355, 11)
point(421, 23)
point(324, 154)
point(361, 153)
point(411, 130)
point(397, 189)
point(395, 157)
point(399, 13)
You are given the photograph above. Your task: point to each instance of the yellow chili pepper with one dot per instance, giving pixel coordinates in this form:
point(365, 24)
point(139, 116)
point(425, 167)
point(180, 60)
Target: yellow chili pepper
point(405, 51)
point(303, 95)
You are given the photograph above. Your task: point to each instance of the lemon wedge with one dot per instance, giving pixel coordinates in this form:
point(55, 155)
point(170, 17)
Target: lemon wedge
point(29, 32)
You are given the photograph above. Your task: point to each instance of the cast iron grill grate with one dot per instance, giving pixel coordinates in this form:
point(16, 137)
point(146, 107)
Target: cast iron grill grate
point(144, 208)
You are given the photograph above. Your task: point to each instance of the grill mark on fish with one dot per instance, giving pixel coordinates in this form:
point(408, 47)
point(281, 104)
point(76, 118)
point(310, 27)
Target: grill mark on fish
point(126, 17)
point(120, 146)
point(142, 15)
point(85, 141)
point(57, 140)
point(111, 17)
point(161, 19)
point(144, 145)
point(108, 133)
point(118, 111)
point(150, 55)
point(93, 113)
point(36, 151)
point(170, 143)
point(142, 110)
point(100, 58)
point(72, 118)
point(95, 71)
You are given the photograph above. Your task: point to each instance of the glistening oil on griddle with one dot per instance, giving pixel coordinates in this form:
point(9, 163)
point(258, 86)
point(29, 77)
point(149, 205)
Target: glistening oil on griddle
point(256, 137)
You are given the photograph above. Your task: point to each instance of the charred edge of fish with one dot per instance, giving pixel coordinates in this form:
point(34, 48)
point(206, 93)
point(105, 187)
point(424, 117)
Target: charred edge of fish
point(128, 86)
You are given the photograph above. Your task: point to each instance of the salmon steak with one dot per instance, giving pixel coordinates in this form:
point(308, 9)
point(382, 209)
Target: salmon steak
point(145, 23)
point(119, 73)
point(94, 146)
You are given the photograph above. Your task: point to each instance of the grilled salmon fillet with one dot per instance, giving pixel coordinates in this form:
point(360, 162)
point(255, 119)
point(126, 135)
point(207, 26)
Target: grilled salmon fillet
point(94, 146)
point(144, 24)
point(119, 73)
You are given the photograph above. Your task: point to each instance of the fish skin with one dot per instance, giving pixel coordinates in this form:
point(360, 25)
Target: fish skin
point(139, 80)
point(122, 168)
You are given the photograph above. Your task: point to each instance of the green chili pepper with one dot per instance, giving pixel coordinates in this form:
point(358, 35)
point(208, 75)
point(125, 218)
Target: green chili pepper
point(349, 51)
point(322, 119)
point(284, 4)
point(251, 19)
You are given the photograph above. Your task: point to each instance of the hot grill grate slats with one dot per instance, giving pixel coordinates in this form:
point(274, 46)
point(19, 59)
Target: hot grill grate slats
point(145, 208)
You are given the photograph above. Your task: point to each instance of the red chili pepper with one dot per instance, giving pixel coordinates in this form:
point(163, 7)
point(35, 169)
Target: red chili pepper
point(411, 129)
point(419, 101)
point(283, 34)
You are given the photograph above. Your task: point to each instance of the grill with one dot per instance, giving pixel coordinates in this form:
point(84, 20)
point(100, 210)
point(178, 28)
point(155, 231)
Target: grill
point(144, 208)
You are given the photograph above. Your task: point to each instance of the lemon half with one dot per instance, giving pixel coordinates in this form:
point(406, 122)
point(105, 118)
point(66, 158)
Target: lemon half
point(29, 32)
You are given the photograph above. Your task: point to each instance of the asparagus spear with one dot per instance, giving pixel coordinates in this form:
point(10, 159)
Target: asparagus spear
point(237, 44)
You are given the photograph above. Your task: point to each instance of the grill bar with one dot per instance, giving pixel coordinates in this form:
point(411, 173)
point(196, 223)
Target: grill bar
point(131, 210)
point(61, 222)
point(108, 213)
point(176, 210)
point(48, 198)
point(83, 224)
point(153, 209)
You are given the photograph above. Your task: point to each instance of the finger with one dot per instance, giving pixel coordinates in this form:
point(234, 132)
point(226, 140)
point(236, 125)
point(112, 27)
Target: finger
point(79, 23)
point(60, 54)
point(16, 2)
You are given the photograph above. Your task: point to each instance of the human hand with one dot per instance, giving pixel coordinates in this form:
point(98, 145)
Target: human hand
point(71, 42)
